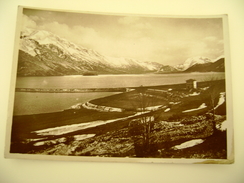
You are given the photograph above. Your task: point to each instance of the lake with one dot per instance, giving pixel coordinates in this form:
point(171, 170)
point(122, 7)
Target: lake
point(32, 103)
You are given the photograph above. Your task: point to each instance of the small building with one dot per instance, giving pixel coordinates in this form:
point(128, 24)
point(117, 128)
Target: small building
point(191, 84)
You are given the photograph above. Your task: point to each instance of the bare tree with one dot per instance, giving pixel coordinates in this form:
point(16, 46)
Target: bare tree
point(213, 94)
point(141, 127)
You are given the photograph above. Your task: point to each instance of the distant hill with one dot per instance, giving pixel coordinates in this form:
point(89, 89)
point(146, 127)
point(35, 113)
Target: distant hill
point(167, 69)
point(190, 62)
point(217, 66)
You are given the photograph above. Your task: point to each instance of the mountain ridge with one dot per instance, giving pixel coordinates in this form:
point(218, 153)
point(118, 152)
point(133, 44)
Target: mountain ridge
point(217, 66)
point(43, 53)
point(191, 62)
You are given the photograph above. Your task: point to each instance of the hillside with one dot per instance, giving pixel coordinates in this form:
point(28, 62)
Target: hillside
point(43, 53)
point(217, 66)
point(190, 62)
point(176, 116)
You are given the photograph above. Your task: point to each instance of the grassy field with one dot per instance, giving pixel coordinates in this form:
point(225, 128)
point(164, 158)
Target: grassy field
point(173, 101)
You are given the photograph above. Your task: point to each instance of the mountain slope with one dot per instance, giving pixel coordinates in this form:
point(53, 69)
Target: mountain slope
point(217, 66)
point(43, 53)
point(167, 69)
point(191, 62)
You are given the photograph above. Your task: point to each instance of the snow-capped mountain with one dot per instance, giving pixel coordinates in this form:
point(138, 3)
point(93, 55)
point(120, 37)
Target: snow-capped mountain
point(44, 53)
point(219, 58)
point(216, 66)
point(191, 62)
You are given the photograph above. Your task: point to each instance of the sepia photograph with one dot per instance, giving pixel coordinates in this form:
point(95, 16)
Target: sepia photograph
point(92, 86)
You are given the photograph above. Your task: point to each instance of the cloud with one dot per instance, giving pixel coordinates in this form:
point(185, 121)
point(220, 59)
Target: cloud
point(134, 37)
point(214, 47)
point(134, 22)
point(27, 22)
point(132, 44)
point(128, 20)
point(84, 36)
point(210, 38)
point(36, 18)
point(143, 26)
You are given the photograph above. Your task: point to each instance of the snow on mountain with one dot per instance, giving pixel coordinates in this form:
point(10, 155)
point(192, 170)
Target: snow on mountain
point(218, 58)
point(44, 53)
point(56, 52)
point(117, 62)
point(122, 62)
point(48, 38)
point(192, 61)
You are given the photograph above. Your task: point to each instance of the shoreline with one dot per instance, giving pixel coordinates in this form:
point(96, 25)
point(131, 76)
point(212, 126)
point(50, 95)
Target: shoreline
point(69, 90)
point(81, 121)
point(116, 74)
point(116, 89)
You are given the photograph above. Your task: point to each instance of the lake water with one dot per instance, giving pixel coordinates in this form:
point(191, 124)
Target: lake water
point(31, 103)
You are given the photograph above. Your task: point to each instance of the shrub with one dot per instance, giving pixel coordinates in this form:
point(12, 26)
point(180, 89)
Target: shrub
point(69, 140)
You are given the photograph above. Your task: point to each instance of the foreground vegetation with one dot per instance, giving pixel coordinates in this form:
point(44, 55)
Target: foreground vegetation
point(149, 132)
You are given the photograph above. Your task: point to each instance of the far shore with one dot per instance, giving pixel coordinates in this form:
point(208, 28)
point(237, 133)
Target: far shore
point(69, 90)
point(85, 90)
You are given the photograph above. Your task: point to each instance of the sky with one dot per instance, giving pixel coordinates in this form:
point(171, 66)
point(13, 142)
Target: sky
point(168, 41)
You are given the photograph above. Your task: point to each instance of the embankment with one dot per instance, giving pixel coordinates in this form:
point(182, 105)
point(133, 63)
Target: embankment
point(69, 90)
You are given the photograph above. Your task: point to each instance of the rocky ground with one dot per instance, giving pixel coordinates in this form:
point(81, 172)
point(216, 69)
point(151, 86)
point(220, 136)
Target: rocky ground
point(164, 137)
point(174, 123)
